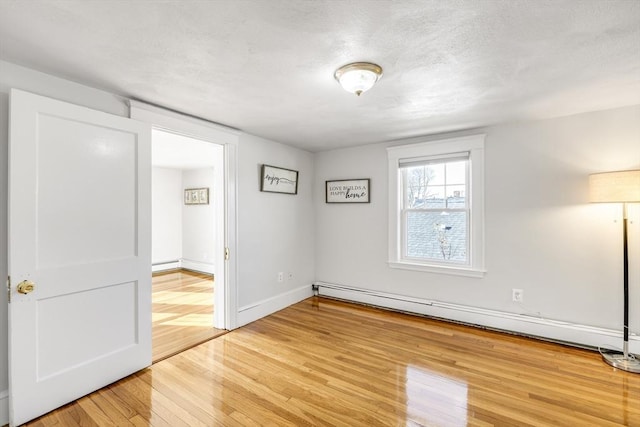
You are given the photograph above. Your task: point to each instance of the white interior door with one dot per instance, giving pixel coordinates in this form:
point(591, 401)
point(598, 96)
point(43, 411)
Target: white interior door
point(80, 233)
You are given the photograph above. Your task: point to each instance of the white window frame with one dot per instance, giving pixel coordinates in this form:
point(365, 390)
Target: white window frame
point(473, 144)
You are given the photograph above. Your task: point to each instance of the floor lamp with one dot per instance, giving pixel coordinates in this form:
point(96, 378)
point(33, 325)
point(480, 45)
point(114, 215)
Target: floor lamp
point(619, 187)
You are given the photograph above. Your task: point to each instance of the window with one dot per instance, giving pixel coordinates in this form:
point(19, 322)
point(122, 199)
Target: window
point(435, 209)
point(436, 206)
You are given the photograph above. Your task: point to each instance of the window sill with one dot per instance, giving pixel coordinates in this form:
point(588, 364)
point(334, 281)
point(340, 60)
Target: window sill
point(455, 271)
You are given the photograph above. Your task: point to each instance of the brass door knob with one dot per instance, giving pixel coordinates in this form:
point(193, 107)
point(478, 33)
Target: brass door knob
point(26, 286)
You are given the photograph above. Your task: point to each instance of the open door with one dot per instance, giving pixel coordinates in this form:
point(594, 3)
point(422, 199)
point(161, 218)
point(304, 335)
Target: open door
point(79, 252)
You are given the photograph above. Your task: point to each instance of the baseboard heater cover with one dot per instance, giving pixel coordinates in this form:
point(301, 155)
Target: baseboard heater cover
point(561, 332)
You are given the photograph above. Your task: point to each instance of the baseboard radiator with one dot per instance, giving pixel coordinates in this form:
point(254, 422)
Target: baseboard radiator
point(557, 331)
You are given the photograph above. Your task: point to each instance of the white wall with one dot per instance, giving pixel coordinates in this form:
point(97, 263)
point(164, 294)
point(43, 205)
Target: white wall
point(166, 185)
point(198, 223)
point(276, 231)
point(542, 235)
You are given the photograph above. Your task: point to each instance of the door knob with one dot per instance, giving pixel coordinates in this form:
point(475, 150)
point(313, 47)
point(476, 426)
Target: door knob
point(26, 286)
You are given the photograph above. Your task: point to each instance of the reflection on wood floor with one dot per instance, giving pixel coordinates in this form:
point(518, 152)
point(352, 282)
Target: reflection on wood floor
point(182, 311)
point(327, 363)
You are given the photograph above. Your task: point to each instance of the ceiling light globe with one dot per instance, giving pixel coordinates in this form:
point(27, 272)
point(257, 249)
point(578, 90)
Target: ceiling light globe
point(358, 77)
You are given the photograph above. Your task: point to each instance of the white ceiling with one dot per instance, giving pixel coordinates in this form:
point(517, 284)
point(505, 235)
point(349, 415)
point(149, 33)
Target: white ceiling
point(266, 67)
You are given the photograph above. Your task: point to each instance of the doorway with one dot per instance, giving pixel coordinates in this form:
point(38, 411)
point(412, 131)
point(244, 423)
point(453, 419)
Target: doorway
point(187, 204)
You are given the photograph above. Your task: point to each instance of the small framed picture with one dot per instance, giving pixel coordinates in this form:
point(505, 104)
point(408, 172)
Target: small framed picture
point(203, 196)
point(196, 196)
point(347, 191)
point(279, 180)
point(188, 197)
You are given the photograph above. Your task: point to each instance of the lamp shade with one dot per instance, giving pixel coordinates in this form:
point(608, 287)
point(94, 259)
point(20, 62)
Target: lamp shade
point(610, 187)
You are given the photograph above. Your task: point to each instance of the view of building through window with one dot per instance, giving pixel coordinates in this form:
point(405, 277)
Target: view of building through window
point(435, 210)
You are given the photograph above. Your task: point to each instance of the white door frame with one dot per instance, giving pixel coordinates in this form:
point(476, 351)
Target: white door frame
point(170, 121)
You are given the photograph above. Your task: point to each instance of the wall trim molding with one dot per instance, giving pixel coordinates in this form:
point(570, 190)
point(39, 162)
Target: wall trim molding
point(165, 266)
point(187, 264)
point(260, 309)
point(202, 267)
point(548, 329)
point(145, 111)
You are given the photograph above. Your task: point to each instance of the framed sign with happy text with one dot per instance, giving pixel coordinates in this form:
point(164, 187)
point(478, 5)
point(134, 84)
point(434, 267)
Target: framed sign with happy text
point(347, 191)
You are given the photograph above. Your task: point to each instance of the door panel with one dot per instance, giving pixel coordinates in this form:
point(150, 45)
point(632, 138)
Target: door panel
point(79, 229)
point(104, 328)
point(72, 210)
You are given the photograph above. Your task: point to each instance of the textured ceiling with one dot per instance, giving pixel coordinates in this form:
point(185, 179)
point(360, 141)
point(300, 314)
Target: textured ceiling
point(266, 67)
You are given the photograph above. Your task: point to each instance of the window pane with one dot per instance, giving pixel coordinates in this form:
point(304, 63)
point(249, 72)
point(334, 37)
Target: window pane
point(456, 173)
point(436, 174)
point(420, 182)
point(437, 236)
point(456, 196)
point(435, 197)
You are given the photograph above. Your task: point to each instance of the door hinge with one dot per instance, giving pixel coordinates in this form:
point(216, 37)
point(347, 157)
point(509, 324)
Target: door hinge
point(226, 254)
point(8, 288)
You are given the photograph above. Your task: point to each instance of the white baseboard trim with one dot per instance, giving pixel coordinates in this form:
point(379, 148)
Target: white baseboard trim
point(4, 407)
point(187, 264)
point(555, 330)
point(260, 309)
point(165, 266)
point(202, 267)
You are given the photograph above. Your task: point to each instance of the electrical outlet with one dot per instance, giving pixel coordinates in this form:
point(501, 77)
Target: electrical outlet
point(517, 295)
point(289, 276)
point(280, 277)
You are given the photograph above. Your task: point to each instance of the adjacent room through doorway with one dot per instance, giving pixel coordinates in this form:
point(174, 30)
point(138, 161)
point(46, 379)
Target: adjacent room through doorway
point(185, 209)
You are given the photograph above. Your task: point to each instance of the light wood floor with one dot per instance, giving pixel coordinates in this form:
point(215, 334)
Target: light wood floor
point(328, 363)
point(182, 312)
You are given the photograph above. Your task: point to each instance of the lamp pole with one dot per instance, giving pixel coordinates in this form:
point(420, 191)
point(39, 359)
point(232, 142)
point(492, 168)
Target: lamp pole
point(625, 260)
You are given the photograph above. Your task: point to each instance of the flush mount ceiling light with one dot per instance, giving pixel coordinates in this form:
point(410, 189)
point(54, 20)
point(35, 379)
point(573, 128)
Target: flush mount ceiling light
point(358, 77)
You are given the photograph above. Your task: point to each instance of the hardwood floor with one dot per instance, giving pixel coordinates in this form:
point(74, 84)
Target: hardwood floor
point(182, 312)
point(329, 363)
